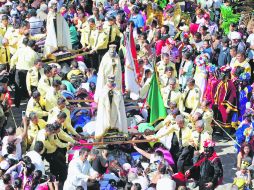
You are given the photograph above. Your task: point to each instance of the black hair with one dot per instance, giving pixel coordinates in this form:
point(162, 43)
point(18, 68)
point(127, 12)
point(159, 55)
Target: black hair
point(18, 183)
point(36, 178)
point(27, 160)
point(47, 69)
point(128, 186)
point(30, 167)
point(37, 61)
point(83, 150)
point(50, 128)
point(198, 35)
point(6, 178)
point(36, 94)
point(162, 168)
point(136, 186)
point(31, 43)
point(60, 101)
point(11, 147)
point(61, 115)
point(25, 41)
point(56, 126)
point(38, 146)
point(56, 83)
point(166, 28)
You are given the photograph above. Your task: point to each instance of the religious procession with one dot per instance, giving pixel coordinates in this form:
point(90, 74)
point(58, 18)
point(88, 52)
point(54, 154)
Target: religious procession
point(126, 94)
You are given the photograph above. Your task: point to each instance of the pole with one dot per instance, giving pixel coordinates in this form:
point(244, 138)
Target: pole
point(226, 132)
point(116, 142)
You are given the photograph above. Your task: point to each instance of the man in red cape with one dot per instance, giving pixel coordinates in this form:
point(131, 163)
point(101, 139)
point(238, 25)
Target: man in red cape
point(207, 169)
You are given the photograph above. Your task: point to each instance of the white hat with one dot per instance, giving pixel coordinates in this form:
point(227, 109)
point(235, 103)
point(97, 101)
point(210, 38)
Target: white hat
point(126, 166)
point(43, 7)
point(235, 35)
point(4, 165)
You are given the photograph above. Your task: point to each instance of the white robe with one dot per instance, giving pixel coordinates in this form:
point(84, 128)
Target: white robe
point(200, 79)
point(110, 117)
point(167, 139)
point(106, 68)
point(58, 38)
point(78, 173)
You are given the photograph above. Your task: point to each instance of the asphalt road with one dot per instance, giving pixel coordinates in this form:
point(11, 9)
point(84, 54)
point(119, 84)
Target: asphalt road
point(224, 150)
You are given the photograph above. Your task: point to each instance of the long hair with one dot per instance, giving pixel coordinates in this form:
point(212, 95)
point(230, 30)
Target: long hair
point(242, 149)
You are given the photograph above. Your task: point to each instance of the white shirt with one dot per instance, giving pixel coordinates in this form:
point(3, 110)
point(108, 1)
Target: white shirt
point(166, 183)
point(18, 146)
point(142, 181)
point(36, 160)
point(78, 174)
point(36, 25)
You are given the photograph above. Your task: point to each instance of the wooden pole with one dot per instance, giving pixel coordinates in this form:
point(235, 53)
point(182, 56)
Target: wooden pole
point(116, 142)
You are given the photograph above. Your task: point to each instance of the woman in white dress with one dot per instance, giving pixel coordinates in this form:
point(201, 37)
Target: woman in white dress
point(201, 74)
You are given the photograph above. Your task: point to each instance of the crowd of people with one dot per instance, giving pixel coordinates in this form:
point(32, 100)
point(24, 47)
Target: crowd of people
point(194, 56)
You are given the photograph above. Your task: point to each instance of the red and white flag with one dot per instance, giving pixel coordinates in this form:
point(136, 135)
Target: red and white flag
point(131, 80)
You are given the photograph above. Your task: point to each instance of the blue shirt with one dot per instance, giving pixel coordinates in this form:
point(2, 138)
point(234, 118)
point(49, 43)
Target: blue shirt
point(209, 51)
point(92, 79)
point(138, 20)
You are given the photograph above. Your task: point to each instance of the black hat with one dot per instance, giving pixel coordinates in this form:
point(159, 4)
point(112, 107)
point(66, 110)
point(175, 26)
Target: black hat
point(4, 79)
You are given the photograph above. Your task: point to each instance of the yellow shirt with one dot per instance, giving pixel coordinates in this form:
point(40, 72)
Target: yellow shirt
point(86, 34)
point(114, 32)
point(67, 124)
point(190, 99)
point(99, 40)
point(161, 66)
point(4, 55)
point(51, 98)
point(49, 144)
point(38, 108)
point(4, 29)
point(171, 96)
point(14, 38)
point(186, 133)
point(32, 78)
point(65, 137)
point(56, 141)
point(33, 129)
point(44, 85)
point(169, 120)
point(245, 64)
point(24, 58)
point(195, 137)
